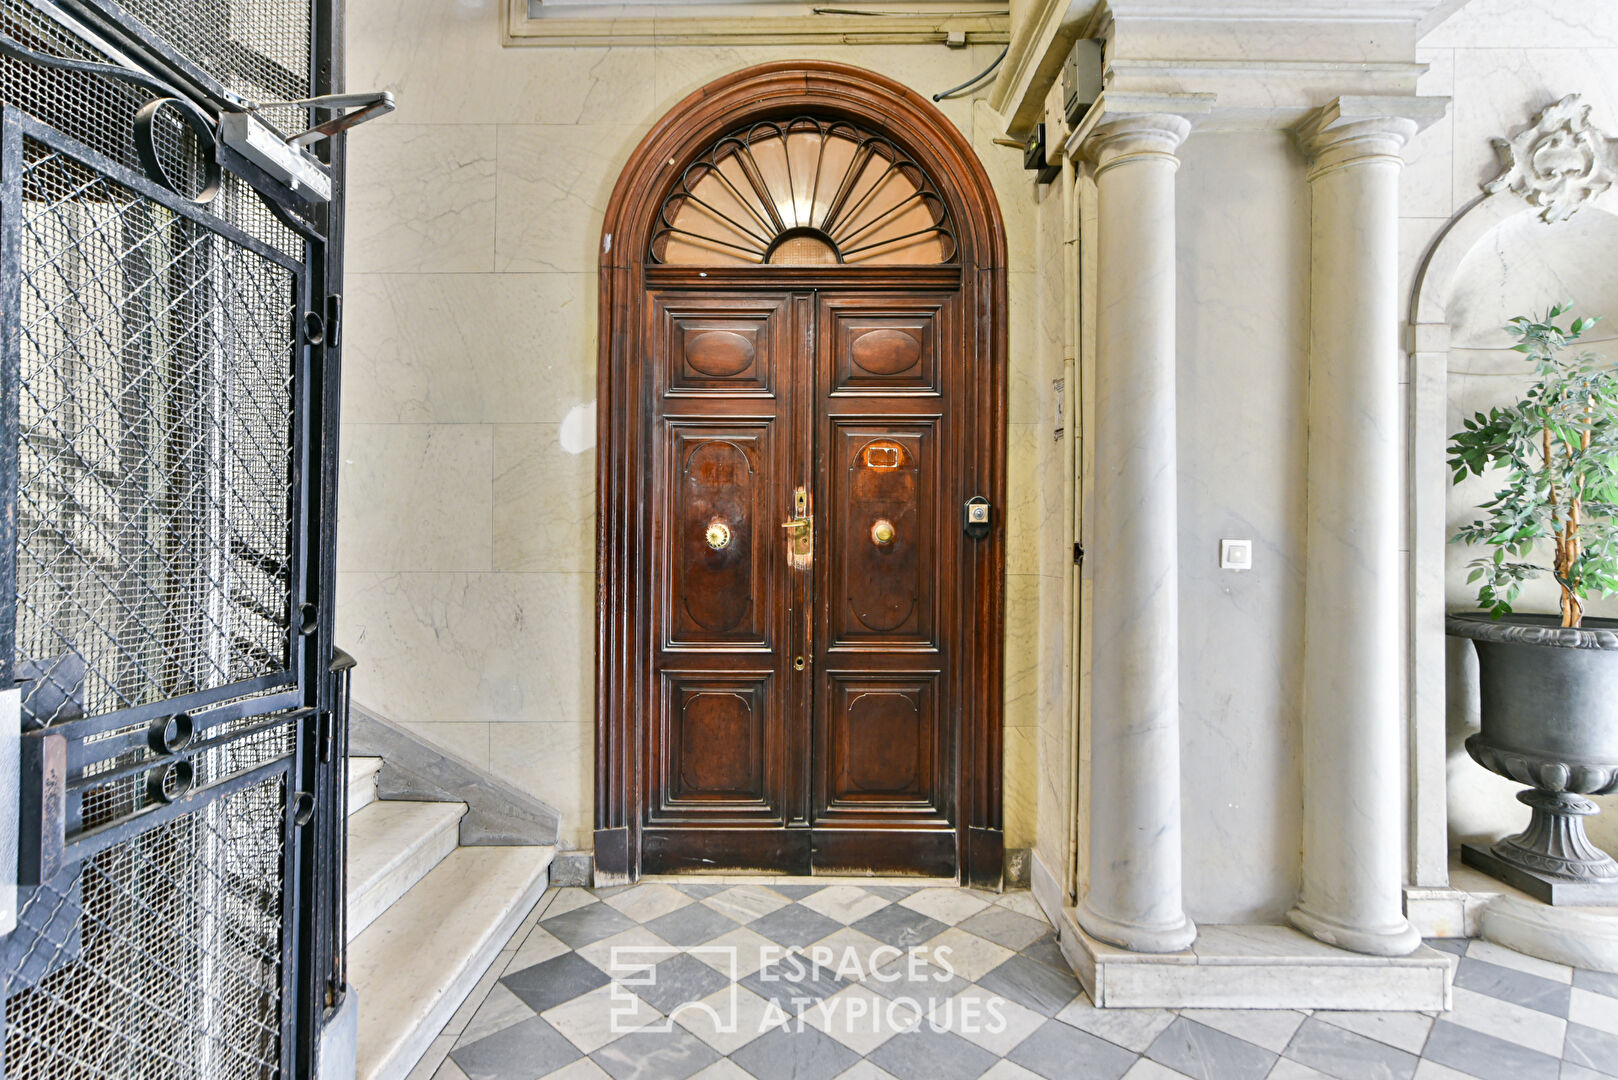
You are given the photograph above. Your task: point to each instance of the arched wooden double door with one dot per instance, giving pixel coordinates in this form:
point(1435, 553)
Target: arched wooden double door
point(802, 459)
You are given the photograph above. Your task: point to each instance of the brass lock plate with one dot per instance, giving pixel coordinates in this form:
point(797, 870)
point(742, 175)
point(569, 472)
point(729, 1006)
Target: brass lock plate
point(800, 532)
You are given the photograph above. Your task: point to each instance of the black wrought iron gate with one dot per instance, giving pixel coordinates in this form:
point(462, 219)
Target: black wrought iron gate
point(169, 323)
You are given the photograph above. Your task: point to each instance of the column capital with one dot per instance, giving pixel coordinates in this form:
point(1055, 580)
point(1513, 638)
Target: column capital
point(1128, 127)
point(1364, 129)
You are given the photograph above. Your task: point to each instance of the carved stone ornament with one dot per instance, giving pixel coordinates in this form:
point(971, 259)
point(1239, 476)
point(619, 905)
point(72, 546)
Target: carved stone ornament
point(1559, 163)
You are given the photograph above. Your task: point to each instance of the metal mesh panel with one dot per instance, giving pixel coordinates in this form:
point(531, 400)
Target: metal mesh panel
point(155, 450)
point(169, 963)
point(258, 49)
point(100, 113)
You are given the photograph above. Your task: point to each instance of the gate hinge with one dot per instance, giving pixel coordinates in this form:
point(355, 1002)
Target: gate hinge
point(1078, 553)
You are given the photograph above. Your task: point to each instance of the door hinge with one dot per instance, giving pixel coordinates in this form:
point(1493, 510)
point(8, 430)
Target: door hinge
point(1078, 553)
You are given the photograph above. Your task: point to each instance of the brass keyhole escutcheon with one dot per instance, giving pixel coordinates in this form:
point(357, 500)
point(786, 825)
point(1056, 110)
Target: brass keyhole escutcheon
point(882, 532)
point(797, 663)
point(717, 535)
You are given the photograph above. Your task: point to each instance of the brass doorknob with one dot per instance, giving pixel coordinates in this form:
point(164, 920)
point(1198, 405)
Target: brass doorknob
point(717, 535)
point(882, 532)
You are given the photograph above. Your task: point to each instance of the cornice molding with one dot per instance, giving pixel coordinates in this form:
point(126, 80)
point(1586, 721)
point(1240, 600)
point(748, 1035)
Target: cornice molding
point(1364, 48)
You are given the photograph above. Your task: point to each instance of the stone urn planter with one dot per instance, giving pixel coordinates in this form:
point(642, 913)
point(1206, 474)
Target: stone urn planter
point(1549, 698)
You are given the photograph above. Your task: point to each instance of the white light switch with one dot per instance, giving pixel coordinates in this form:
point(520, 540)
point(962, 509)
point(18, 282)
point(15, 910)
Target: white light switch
point(1235, 554)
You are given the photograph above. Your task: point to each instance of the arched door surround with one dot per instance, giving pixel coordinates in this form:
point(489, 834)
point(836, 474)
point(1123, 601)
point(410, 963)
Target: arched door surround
point(823, 697)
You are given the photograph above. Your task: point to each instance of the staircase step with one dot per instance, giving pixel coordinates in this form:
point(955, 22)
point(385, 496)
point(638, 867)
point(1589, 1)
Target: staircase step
point(362, 782)
point(391, 846)
point(417, 963)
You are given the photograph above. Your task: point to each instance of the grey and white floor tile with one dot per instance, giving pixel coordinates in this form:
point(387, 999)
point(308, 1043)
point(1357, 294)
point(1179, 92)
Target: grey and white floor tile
point(772, 980)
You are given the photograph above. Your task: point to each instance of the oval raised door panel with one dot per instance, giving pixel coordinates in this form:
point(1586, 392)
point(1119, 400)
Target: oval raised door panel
point(885, 351)
point(719, 353)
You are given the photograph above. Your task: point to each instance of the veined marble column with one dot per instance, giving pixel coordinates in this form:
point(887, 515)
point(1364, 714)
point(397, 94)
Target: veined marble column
point(1352, 782)
point(1134, 896)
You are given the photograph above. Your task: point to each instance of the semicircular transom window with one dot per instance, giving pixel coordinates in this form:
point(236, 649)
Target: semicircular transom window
point(804, 192)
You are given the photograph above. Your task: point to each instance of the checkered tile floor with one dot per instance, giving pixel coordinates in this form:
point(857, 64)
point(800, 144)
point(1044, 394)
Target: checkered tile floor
point(587, 987)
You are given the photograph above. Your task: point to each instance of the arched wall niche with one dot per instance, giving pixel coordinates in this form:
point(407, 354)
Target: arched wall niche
point(778, 92)
point(1499, 257)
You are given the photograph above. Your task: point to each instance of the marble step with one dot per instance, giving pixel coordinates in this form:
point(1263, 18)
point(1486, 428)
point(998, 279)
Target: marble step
point(391, 846)
point(362, 782)
point(417, 963)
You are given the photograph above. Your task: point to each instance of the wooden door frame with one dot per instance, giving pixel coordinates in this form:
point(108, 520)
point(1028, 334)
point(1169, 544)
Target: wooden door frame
point(775, 91)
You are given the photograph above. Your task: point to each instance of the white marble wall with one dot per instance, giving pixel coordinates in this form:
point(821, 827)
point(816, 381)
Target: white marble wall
point(1502, 61)
point(466, 543)
point(1243, 226)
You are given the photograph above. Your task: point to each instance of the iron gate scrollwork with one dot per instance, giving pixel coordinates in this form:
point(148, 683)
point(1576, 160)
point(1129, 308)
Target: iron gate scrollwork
point(168, 374)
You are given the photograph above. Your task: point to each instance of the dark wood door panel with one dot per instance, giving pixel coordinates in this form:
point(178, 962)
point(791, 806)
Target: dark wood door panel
point(887, 344)
point(886, 748)
point(720, 740)
point(723, 576)
point(803, 715)
point(882, 526)
point(723, 346)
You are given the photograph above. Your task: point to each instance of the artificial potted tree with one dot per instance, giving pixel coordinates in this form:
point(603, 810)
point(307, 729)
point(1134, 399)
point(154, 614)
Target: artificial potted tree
point(1548, 683)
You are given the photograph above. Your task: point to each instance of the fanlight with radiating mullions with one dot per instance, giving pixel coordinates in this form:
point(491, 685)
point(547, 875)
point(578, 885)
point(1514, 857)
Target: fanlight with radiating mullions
point(803, 192)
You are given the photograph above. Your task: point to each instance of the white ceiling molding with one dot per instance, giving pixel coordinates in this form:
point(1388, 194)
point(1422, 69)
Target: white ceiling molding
point(1269, 62)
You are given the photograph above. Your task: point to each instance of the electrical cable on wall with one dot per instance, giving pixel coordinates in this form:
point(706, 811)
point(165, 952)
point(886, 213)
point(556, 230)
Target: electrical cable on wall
point(974, 80)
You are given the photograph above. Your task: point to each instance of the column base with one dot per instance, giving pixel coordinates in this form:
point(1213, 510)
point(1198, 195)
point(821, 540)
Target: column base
point(1399, 940)
point(1243, 967)
point(1134, 936)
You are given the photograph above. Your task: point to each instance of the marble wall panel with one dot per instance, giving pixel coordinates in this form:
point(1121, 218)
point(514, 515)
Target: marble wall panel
point(1022, 696)
point(1425, 185)
point(1025, 503)
point(1027, 341)
point(555, 761)
point(1018, 192)
point(445, 65)
point(421, 198)
point(468, 348)
point(487, 647)
point(554, 184)
point(1021, 805)
point(544, 500)
point(1243, 323)
point(415, 497)
point(1528, 24)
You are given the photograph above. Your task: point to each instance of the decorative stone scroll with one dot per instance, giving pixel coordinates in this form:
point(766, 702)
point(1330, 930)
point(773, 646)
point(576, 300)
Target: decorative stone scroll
point(1559, 162)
